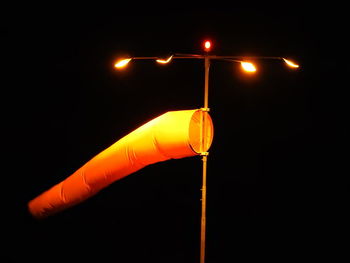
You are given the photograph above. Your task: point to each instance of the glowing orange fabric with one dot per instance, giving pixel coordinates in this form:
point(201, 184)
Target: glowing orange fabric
point(175, 134)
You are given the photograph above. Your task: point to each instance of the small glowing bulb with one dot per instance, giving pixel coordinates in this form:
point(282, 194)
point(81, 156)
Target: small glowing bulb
point(122, 63)
point(165, 61)
point(207, 45)
point(249, 67)
point(290, 63)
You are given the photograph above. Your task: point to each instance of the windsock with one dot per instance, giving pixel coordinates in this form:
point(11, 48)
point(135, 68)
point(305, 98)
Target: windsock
point(173, 135)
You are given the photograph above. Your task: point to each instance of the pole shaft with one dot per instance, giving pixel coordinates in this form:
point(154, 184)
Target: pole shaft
point(204, 161)
point(206, 81)
point(203, 217)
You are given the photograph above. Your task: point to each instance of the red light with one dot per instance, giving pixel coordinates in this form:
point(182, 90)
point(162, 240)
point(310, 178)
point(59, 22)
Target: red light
point(207, 45)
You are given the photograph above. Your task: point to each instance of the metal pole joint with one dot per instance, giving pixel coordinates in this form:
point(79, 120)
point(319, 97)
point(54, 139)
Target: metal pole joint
point(205, 109)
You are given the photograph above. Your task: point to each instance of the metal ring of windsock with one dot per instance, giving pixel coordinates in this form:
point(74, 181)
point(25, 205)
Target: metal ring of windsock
point(173, 135)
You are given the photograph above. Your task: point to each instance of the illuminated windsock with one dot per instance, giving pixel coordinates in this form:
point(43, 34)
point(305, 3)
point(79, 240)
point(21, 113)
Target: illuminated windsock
point(173, 135)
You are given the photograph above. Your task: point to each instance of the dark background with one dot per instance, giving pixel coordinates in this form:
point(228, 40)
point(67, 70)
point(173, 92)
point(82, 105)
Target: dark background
point(277, 187)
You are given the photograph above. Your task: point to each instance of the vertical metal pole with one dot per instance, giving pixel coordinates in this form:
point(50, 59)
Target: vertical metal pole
point(206, 81)
point(203, 217)
point(204, 160)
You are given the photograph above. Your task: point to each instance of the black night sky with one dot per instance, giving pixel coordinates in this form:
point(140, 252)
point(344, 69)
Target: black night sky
point(277, 186)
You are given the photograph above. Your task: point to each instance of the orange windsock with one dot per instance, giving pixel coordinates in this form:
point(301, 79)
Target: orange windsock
point(173, 135)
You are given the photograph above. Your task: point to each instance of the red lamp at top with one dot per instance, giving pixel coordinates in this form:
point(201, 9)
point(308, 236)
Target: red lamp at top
point(207, 45)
